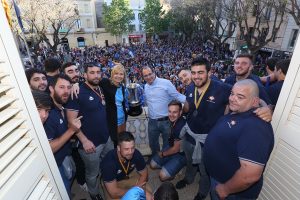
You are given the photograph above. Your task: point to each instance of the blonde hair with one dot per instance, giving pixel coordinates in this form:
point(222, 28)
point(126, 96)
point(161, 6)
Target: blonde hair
point(117, 68)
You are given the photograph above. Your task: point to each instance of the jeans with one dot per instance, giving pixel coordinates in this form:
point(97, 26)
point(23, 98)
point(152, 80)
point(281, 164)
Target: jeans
point(66, 181)
point(155, 128)
point(79, 175)
point(191, 170)
point(170, 165)
point(92, 165)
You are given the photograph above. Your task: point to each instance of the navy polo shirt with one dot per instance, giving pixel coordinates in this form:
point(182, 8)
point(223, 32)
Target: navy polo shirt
point(231, 80)
point(93, 112)
point(175, 130)
point(112, 170)
point(237, 137)
point(211, 108)
point(55, 126)
point(274, 91)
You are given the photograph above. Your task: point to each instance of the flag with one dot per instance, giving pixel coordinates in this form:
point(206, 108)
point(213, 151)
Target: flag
point(18, 14)
point(7, 12)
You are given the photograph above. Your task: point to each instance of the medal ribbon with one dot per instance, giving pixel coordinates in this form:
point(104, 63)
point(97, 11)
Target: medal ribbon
point(99, 95)
point(197, 103)
point(123, 167)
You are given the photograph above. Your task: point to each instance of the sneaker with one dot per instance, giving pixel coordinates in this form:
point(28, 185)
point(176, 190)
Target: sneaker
point(84, 187)
point(181, 184)
point(97, 197)
point(199, 197)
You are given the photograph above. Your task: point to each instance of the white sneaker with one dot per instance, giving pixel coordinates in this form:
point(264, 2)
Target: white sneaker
point(84, 187)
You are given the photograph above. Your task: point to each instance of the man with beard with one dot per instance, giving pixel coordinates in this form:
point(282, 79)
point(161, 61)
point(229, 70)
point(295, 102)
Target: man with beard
point(118, 169)
point(243, 68)
point(207, 100)
point(71, 70)
point(57, 128)
point(37, 79)
point(93, 136)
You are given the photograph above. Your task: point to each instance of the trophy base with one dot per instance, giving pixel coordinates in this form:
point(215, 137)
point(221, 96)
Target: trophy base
point(135, 110)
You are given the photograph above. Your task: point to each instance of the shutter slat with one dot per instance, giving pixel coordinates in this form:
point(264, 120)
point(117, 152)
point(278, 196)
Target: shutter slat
point(39, 189)
point(297, 102)
point(14, 152)
point(2, 75)
point(4, 101)
point(9, 126)
point(18, 160)
point(46, 193)
point(51, 196)
point(8, 113)
point(5, 88)
point(12, 139)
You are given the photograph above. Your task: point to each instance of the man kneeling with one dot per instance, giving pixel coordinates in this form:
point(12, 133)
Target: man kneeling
point(118, 169)
point(170, 159)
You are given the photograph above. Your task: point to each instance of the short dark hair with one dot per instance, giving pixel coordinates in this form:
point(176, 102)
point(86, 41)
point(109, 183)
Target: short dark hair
point(42, 99)
point(175, 103)
point(283, 65)
point(245, 55)
point(125, 136)
point(59, 76)
point(65, 65)
point(183, 69)
point(201, 61)
point(87, 65)
point(51, 65)
point(271, 62)
point(166, 191)
point(29, 73)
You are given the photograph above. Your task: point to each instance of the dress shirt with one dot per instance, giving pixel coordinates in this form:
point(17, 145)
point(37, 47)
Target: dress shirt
point(158, 95)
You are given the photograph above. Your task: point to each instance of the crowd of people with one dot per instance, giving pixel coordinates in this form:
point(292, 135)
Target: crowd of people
point(212, 122)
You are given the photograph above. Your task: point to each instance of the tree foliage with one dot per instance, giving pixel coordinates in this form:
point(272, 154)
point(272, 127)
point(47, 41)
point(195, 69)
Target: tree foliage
point(153, 17)
point(41, 17)
point(117, 17)
point(185, 15)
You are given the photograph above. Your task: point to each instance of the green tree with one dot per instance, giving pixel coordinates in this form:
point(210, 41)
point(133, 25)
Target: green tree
point(153, 17)
point(117, 17)
point(185, 16)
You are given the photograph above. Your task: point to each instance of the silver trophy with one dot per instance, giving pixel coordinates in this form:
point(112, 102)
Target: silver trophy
point(135, 93)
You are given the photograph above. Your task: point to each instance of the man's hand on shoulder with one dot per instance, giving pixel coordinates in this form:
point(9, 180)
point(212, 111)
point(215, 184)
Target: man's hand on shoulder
point(265, 113)
point(75, 90)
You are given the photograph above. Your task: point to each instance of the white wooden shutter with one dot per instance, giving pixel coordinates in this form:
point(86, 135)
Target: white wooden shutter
point(282, 175)
point(27, 166)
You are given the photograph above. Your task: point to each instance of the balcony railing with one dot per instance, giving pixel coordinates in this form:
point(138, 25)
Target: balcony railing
point(138, 126)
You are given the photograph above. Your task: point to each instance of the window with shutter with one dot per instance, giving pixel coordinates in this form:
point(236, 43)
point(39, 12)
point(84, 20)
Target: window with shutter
point(27, 167)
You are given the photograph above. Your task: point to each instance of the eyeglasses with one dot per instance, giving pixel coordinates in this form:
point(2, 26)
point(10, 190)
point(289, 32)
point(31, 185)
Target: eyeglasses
point(148, 75)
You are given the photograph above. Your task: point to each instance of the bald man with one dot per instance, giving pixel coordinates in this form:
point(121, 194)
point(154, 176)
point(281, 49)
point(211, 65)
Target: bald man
point(238, 147)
